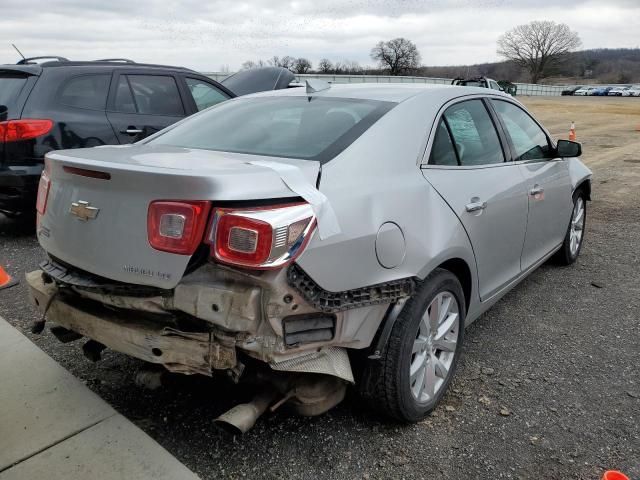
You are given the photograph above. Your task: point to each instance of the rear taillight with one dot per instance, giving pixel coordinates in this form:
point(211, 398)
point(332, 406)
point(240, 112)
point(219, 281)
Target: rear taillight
point(43, 192)
point(261, 238)
point(23, 129)
point(177, 226)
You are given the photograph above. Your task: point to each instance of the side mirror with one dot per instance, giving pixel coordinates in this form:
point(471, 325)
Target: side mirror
point(567, 149)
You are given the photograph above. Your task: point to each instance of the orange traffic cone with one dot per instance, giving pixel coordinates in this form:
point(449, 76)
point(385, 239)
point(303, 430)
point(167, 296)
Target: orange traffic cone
point(614, 475)
point(572, 132)
point(5, 280)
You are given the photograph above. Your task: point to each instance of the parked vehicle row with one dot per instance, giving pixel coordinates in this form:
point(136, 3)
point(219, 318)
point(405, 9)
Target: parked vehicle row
point(603, 91)
point(60, 104)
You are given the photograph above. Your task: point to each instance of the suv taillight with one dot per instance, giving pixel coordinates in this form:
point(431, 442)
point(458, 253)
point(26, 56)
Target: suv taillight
point(177, 226)
point(24, 129)
point(261, 238)
point(43, 192)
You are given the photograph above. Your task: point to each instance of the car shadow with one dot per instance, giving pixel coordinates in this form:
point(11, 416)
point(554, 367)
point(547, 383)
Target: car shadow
point(19, 226)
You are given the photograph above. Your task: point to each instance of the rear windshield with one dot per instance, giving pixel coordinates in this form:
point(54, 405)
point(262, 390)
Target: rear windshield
point(309, 128)
point(10, 88)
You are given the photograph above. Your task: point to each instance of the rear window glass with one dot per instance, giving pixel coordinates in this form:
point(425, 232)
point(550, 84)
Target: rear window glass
point(10, 88)
point(86, 91)
point(309, 128)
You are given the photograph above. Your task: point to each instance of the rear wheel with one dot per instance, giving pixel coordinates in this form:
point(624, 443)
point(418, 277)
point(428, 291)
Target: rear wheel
point(422, 353)
point(572, 244)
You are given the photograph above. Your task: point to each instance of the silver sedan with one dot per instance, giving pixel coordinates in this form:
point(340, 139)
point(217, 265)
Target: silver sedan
point(311, 238)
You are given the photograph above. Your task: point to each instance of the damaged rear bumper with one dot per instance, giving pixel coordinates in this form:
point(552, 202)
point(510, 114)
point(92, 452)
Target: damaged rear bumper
point(139, 327)
point(136, 335)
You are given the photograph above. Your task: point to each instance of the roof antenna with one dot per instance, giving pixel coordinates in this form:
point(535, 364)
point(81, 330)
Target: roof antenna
point(23, 57)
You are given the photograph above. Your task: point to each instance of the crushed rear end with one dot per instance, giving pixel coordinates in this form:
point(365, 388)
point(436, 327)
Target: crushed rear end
point(139, 263)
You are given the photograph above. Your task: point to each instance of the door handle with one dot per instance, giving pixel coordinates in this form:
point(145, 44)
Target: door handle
point(475, 206)
point(131, 131)
point(536, 190)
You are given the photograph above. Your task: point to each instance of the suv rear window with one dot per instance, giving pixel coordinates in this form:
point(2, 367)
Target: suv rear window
point(86, 91)
point(316, 128)
point(10, 88)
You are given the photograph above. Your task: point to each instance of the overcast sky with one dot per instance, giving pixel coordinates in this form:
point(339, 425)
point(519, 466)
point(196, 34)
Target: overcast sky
point(209, 34)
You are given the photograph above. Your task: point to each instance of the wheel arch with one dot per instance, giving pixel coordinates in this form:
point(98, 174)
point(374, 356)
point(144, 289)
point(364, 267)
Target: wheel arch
point(585, 188)
point(461, 270)
point(458, 267)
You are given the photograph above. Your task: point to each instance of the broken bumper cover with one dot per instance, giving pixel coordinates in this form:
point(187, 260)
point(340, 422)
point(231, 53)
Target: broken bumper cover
point(137, 336)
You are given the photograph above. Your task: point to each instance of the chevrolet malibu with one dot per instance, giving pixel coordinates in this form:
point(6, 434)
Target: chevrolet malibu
point(308, 239)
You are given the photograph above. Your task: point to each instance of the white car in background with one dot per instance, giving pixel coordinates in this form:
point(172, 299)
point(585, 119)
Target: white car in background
point(584, 91)
point(633, 91)
point(620, 91)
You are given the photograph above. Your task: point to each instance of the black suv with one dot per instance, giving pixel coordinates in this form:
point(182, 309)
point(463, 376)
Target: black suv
point(63, 104)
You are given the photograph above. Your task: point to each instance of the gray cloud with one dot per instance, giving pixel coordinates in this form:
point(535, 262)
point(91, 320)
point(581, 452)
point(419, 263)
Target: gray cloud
point(208, 34)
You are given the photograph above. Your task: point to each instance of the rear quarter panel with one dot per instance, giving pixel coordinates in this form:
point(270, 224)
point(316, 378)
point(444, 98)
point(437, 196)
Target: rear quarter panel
point(378, 180)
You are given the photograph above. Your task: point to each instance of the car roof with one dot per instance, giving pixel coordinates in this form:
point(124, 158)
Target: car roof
point(391, 92)
point(91, 64)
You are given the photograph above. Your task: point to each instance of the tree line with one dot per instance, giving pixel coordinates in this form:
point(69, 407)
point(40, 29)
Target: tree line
point(533, 52)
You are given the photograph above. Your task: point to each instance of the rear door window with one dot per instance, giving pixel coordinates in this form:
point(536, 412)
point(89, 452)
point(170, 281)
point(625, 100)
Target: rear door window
point(124, 98)
point(529, 140)
point(473, 133)
point(86, 91)
point(204, 94)
point(148, 95)
point(156, 95)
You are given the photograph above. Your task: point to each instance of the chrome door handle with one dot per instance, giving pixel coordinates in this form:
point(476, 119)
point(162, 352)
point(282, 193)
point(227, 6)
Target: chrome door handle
point(536, 190)
point(131, 131)
point(475, 206)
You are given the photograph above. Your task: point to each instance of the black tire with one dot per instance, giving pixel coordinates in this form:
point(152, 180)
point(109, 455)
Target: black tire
point(385, 383)
point(565, 256)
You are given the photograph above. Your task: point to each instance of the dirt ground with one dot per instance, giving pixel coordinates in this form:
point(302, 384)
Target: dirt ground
point(548, 386)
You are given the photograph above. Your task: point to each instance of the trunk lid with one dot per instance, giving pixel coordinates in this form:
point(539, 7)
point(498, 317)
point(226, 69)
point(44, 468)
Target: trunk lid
point(114, 244)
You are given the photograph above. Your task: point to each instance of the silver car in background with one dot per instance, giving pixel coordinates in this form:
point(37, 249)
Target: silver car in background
point(309, 239)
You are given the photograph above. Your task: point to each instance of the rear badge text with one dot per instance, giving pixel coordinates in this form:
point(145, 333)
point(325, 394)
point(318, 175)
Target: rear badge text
point(146, 272)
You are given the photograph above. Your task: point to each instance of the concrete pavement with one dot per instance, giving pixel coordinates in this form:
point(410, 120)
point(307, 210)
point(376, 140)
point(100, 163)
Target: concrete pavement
point(52, 426)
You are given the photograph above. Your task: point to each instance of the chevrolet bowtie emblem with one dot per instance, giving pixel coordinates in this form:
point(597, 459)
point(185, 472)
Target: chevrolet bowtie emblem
point(83, 211)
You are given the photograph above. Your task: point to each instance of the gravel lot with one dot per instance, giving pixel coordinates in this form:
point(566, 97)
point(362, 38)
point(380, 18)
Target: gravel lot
point(548, 385)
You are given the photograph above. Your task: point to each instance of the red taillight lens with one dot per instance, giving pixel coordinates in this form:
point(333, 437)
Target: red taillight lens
point(241, 240)
point(43, 192)
point(24, 129)
point(177, 226)
point(261, 238)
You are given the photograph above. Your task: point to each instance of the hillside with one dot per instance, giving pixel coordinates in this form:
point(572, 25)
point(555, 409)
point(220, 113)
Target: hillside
point(621, 65)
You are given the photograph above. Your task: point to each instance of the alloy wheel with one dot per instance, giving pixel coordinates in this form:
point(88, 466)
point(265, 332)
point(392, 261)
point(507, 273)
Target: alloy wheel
point(577, 227)
point(434, 348)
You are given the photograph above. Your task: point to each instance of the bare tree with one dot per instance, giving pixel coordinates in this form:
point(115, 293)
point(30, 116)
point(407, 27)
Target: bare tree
point(274, 61)
point(325, 66)
point(301, 65)
point(284, 62)
point(538, 46)
point(398, 56)
point(249, 64)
